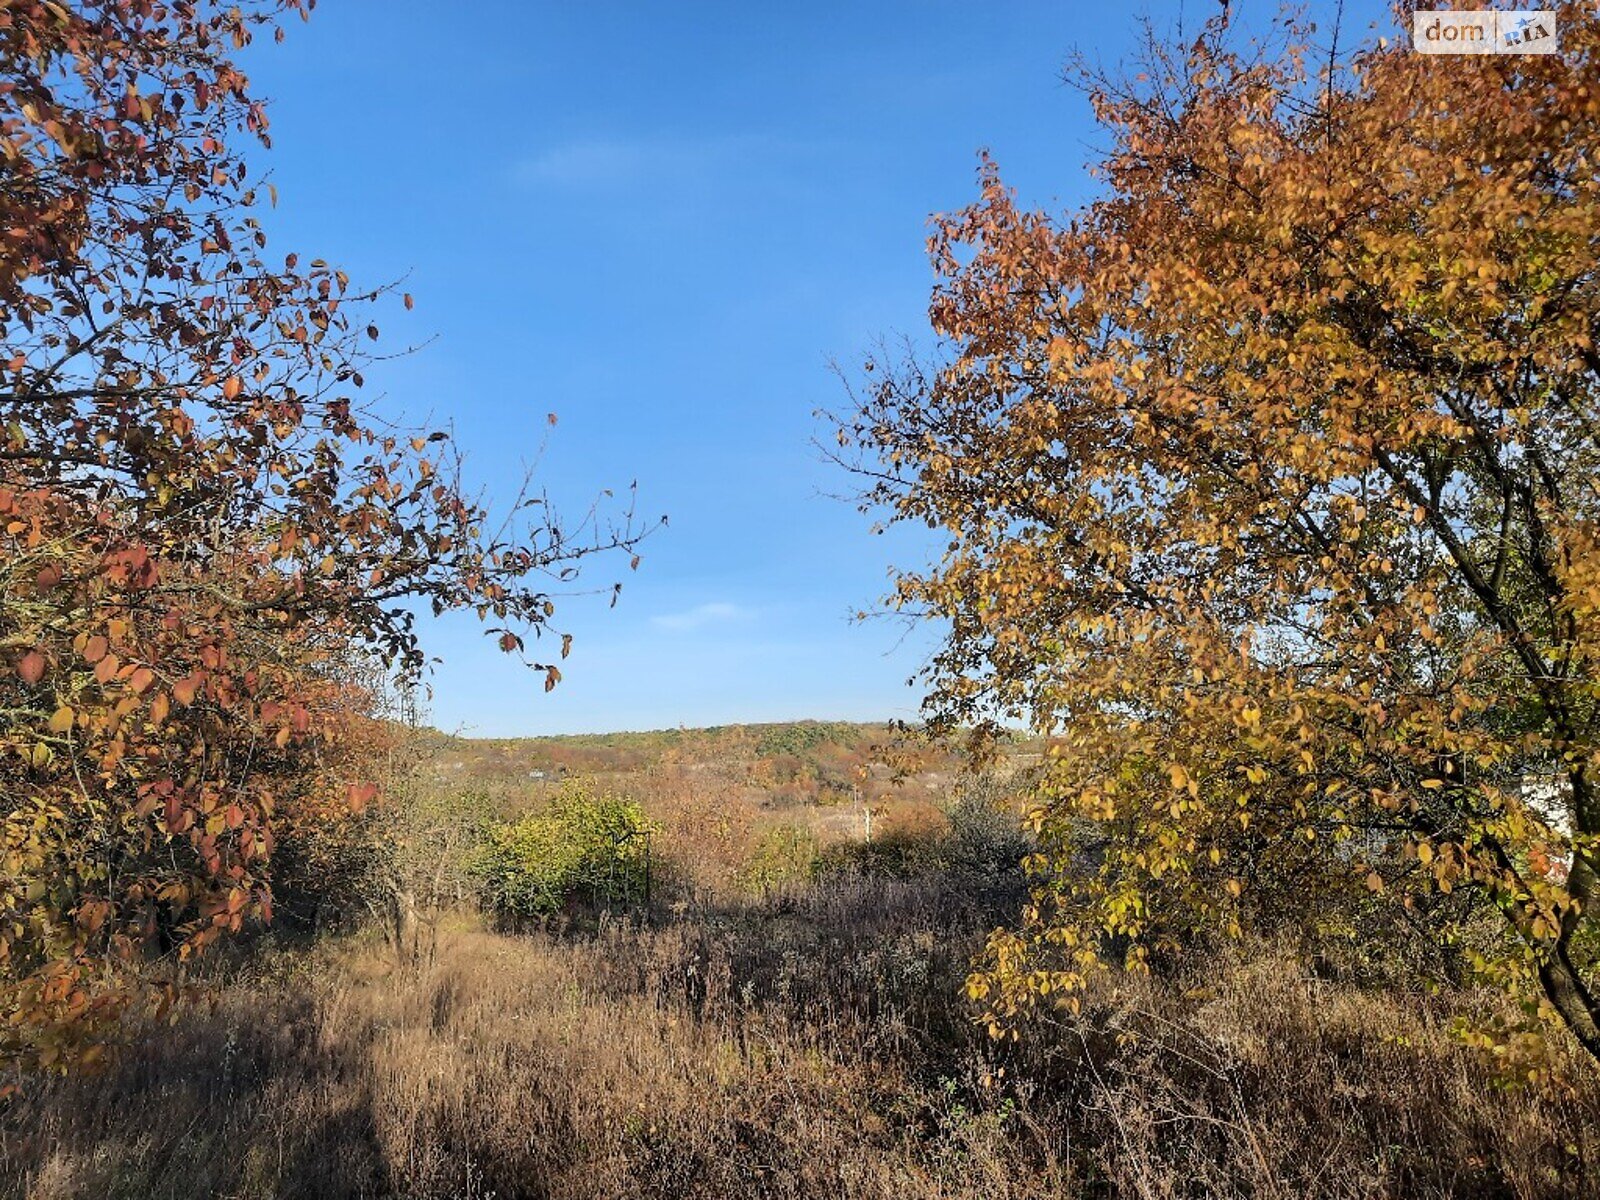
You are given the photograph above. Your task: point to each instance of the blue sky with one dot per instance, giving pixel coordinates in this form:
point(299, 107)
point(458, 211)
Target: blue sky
point(661, 221)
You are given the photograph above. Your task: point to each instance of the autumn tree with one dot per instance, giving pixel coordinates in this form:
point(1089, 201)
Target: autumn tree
point(202, 528)
point(1268, 490)
point(399, 865)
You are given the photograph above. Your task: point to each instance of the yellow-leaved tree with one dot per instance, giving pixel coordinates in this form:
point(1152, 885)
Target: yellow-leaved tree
point(1269, 482)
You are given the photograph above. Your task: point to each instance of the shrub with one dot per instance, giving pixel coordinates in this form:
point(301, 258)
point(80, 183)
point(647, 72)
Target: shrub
point(986, 837)
point(894, 854)
point(786, 854)
point(980, 848)
point(583, 846)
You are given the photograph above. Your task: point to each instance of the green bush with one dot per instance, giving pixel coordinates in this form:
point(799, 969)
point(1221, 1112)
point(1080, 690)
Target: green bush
point(786, 854)
point(582, 846)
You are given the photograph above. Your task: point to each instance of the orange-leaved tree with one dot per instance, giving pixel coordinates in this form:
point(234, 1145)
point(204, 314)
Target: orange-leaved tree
point(202, 531)
point(1268, 484)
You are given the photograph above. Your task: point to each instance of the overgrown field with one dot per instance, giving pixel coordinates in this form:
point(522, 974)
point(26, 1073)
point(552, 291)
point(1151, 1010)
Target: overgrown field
point(786, 1019)
point(810, 1045)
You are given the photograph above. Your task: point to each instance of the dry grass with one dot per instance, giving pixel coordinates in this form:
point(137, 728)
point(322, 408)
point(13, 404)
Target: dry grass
point(808, 1046)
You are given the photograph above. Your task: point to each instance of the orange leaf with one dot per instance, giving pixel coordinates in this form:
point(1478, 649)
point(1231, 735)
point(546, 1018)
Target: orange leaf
point(31, 668)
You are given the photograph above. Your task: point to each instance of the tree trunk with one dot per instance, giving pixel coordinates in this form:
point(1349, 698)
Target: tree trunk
point(1567, 992)
point(403, 910)
point(1572, 997)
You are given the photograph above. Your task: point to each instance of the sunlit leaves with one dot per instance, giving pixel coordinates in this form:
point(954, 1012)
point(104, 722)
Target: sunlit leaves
point(1267, 485)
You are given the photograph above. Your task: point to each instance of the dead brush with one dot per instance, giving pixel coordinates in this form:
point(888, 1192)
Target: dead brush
point(817, 1048)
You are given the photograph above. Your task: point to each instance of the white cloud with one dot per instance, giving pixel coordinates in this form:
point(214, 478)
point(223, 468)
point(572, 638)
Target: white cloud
point(701, 616)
